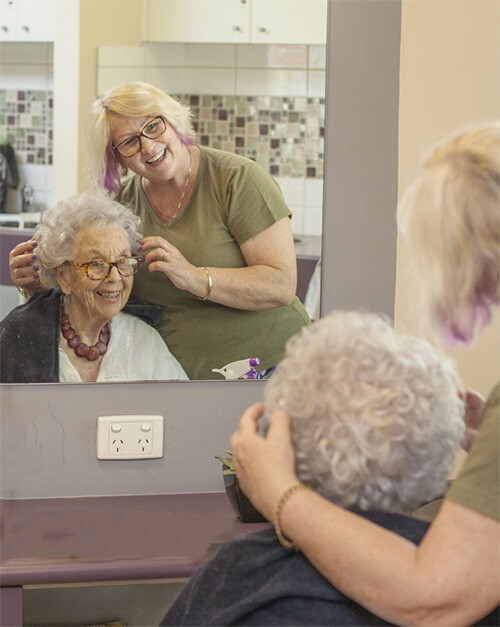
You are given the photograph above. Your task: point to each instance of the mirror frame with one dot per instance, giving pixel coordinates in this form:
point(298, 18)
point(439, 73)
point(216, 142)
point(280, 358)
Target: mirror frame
point(40, 457)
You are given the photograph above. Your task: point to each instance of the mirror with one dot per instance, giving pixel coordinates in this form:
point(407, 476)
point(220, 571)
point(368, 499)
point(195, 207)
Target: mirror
point(282, 127)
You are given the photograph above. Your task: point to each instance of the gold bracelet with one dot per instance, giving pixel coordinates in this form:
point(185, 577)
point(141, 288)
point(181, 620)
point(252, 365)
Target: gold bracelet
point(23, 293)
point(209, 285)
point(285, 542)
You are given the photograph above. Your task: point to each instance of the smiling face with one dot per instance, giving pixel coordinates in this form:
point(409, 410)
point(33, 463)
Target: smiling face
point(91, 303)
point(157, 160)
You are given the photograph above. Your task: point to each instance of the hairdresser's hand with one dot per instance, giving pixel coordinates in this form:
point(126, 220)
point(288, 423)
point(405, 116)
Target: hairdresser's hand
point(265, 466)
point(162, 256)
point(24, 267)
point(474, 403)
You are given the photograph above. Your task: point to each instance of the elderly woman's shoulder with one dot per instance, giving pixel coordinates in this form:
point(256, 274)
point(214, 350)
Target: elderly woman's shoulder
point(41, 306)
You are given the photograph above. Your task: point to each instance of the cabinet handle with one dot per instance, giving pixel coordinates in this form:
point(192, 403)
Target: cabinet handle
point(237, 29)
point(4, 29)
point(26, 29)
point(262, 29)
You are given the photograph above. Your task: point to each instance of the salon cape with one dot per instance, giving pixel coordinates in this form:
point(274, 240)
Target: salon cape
point(29, 339)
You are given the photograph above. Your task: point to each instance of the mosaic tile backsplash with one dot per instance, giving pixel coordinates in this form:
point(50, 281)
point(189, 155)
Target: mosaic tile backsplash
point(26, 123)
point(284, 134)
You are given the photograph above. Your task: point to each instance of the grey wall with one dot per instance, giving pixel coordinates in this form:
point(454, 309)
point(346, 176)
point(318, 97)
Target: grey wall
point(47, 432)
point(361, 156)
point(48, 437)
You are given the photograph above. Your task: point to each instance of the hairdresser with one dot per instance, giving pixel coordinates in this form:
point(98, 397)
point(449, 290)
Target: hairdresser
point(451, 217)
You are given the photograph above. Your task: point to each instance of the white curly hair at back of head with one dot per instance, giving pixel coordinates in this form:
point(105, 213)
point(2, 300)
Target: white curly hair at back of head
point(376, 416)
point(59, 226)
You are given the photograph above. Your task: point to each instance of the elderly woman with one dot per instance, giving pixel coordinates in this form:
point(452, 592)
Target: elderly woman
point(219, 251)
point(77, 331)
point(375, 422)
point(451, 217)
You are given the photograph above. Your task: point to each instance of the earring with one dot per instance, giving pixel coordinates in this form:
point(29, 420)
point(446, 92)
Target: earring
point(123, 170)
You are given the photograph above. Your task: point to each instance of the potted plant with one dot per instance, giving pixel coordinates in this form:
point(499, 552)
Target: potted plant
point(242, 506)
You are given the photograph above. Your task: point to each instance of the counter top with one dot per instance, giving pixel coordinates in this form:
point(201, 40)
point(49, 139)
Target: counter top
point(19, 220)
point(307, 246)
point(112, 538)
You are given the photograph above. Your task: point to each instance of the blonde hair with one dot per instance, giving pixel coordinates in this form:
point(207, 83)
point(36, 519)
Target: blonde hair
point(451, 217)
point(135, 100)
point(375, 415)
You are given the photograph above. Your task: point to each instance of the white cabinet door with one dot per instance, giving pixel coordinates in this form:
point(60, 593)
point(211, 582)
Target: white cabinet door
point(35, 20)
point(288, 21)
point(7, 20)
point(27, 20)
point(212, 21)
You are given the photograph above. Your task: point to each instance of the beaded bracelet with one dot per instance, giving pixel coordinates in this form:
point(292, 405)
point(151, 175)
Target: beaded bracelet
point(209, 285)
point(285, 542)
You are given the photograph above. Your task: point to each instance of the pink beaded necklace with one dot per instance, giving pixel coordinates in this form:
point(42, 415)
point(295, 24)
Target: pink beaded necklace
point(81, 349)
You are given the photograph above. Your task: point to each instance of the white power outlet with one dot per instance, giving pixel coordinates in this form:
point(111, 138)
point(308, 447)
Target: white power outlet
point(129, 437)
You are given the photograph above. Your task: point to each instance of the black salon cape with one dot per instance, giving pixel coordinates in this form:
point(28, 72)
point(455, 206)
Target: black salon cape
point(29, 337)
point(255, 581)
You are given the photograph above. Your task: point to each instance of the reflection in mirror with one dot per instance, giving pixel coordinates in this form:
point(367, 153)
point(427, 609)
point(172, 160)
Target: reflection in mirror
point(282, 129)
point(82, 327)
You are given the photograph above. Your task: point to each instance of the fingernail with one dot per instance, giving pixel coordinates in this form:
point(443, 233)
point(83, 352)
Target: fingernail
point(139, 248)
point(33, 257)
point(140, 241)
point(34, 243)
point(35, 268)
point(36, 275)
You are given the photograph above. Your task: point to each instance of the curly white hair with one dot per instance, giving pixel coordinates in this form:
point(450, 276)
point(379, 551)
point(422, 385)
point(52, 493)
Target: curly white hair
point(376, 417)
point(59, 226)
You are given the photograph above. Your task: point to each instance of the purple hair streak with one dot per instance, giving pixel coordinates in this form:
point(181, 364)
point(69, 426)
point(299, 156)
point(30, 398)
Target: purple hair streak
point(183, 140)
point(111, 177)
point(458, 331)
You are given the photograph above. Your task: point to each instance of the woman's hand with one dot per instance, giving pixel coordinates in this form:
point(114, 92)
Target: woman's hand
point(161, 256)
point(474, 402)
point(23, 265)
point(265, 466)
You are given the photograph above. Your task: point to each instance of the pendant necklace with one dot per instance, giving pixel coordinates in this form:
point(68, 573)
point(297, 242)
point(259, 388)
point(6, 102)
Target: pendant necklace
point(186, 183)
point(170, 219)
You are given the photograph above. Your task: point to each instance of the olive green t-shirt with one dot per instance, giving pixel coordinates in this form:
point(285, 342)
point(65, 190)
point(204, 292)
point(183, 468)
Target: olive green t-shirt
point(233, 200)
point(477, 486)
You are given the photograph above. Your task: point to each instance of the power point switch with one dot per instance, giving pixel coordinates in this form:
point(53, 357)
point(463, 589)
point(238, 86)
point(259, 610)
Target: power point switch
point(130, 437)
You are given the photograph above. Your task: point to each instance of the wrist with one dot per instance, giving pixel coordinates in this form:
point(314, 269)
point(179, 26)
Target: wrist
point(207, 283)
point(278, 513)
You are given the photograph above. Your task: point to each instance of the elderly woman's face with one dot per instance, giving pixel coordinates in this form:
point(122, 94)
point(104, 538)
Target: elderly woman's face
point(156, 159)
point(98, 299)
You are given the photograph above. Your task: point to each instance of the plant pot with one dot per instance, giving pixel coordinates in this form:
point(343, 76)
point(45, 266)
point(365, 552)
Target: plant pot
point(242, 506)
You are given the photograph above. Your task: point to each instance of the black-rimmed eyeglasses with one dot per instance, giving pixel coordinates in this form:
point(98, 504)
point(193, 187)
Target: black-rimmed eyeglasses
point(98, 269)
point(151, 130)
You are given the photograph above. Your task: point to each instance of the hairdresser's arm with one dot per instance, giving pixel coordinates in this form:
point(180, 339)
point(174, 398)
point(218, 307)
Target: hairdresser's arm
point(452, 578)
point(268, 280)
